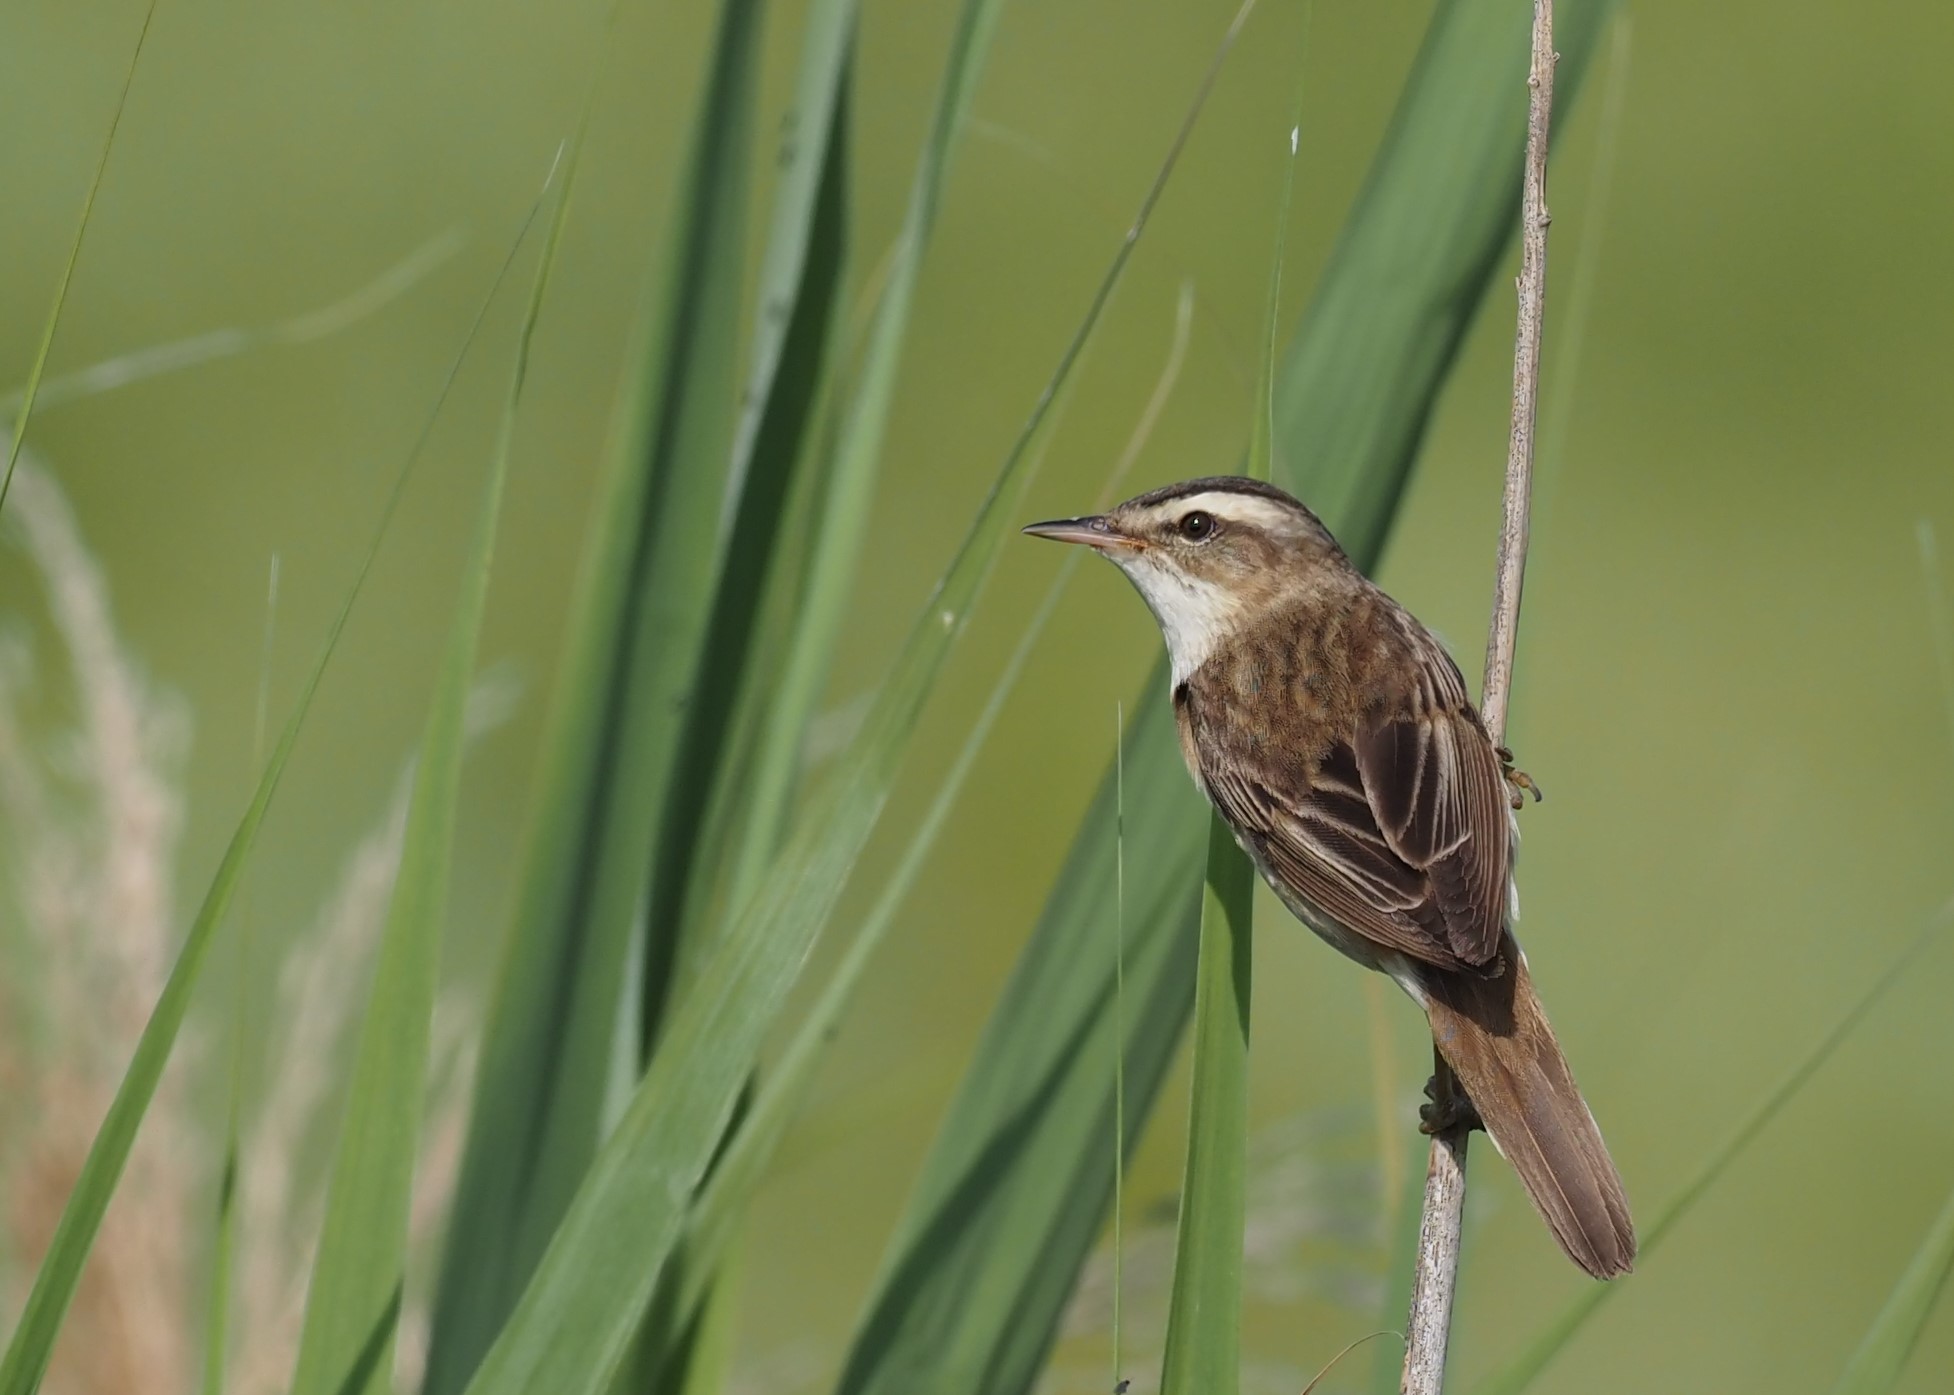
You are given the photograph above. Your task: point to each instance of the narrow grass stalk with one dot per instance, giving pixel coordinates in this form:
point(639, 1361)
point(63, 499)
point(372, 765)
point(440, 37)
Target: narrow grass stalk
point(1204, 1320)
point(1436, 1277)
point(74, 255)
point(1119, 1036)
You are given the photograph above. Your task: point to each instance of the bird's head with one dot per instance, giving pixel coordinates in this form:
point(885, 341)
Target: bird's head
point(1209, 556)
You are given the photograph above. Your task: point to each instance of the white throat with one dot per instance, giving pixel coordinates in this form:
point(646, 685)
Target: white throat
point(1194, 615)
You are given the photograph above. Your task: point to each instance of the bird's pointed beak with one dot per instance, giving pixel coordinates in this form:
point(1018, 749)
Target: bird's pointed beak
point(1095, 531)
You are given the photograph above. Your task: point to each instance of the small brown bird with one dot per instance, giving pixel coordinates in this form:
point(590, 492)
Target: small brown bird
point(1337, 739)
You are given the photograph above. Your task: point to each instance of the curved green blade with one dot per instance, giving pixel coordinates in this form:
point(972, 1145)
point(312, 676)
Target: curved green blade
point(353, 1303)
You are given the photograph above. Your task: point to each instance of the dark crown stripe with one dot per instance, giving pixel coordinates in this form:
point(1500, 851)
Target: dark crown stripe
point(1218, 484)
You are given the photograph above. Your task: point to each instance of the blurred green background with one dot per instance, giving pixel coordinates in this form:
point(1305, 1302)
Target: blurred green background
point(1727, 682)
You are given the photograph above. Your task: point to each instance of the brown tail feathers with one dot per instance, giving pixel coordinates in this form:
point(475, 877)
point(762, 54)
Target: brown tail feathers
point(1495, 1035)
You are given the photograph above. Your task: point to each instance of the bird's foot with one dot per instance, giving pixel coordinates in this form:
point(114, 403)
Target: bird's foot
point(1447, 1109)
point(1523, 784)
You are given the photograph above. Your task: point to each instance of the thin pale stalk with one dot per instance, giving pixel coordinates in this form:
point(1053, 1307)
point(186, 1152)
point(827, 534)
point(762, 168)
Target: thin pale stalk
point(176, 355)
point(1435, 1279)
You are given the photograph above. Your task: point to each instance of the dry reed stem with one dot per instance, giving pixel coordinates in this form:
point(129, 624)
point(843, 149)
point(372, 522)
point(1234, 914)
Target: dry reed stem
point(1435, 1279)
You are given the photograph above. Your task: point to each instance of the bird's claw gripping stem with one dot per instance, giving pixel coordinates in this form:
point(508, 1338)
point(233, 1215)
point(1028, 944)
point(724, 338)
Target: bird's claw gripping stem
point(1447, 1108)
point(1523, 784)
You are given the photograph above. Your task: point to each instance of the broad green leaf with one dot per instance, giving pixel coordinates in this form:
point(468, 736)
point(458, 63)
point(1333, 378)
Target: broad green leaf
point(1204, 1322)
point(1876, 1366)
point(32, 1343)
point(353, 1302)
point(712, 841)
point(783, 465)
point(1534, 1358)
point(636, 637)
point(1016, 1185)
point(74, 255)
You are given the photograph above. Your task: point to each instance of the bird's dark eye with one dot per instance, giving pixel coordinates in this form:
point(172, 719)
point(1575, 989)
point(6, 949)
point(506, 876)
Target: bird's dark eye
point(1197, 526)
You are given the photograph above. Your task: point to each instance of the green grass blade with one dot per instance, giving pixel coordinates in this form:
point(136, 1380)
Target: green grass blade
point(739, 1172)
point(1882, 1356)
point(540, 1099)
point(1018, 1179)
point(1204, 1321)
point(1534, 1358)
point(795, 267)
point(596, 1279)
point(54, 1286)
point(347, 1342)
point(782, 467)
point(28, 1351)
point(798, 311)
point(217, 1317)
point(780, 461)
point(217, 1304)
point(74, 255)
point(1011, 1197)
point(1204, 1315)
point(845, 510)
